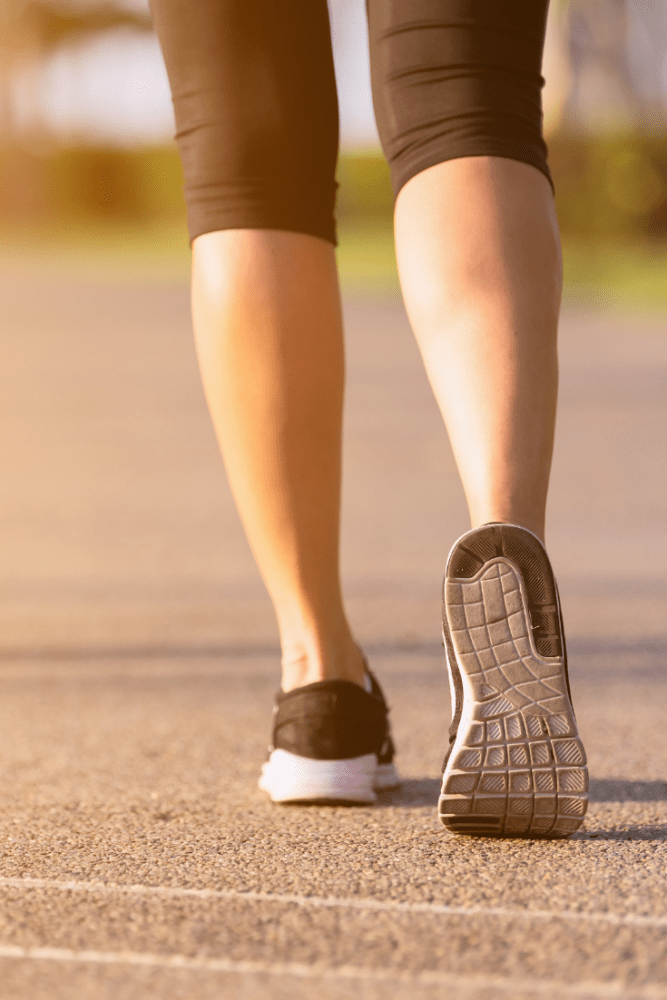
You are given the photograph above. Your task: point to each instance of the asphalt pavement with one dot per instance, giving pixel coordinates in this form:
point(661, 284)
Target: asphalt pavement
point(139, 659)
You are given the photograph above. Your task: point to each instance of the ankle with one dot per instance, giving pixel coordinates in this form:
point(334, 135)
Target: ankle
point(308, 663)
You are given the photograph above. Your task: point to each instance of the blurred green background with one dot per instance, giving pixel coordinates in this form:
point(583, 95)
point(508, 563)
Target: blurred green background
point(66, 195)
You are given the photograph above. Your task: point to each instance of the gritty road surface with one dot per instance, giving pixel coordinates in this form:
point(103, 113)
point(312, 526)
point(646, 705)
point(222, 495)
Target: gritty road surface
point(139, 661)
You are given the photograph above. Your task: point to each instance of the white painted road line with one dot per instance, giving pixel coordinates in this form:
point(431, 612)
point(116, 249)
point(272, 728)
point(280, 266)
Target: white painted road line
point(550, 988)
point(334, 902)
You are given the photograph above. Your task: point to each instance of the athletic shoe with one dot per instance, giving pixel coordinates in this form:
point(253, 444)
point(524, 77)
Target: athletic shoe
point(516, 766)
point(331, 743)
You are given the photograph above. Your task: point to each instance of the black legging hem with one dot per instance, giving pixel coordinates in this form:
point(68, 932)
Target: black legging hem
point(521, 153)
point(256, 108)
point(212, 218)
point(209, 218)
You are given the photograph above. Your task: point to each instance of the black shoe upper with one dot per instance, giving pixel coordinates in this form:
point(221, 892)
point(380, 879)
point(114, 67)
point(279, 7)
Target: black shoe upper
point(387, 750)
point(333, 720)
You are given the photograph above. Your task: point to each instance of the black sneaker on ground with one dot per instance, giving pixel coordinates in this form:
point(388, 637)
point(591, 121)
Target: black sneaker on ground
point(516, 766)
point(331, 743)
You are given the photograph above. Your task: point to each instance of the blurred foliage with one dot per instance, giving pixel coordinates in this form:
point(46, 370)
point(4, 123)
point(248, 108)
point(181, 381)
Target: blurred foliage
point(610, 186)
point(90, 183)
point(42, 25)
point(364, 187)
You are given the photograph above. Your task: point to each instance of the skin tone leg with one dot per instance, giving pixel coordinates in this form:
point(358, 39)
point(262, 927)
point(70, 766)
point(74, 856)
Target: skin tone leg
point(479, 261)
point(268, 329)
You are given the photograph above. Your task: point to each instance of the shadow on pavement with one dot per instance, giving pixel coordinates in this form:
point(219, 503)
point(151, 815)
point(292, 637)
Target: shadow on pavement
point(652, 832)
point(413, 794)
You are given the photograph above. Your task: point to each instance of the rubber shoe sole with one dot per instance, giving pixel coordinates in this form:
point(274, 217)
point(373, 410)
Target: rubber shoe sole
point(516, 766)
point(289, 778)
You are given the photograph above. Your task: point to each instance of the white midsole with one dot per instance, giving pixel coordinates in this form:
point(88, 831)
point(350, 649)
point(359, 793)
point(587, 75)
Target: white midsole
point(287, 777)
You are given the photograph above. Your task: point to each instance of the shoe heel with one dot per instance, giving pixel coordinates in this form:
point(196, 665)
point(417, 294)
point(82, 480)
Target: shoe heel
point(517, 767)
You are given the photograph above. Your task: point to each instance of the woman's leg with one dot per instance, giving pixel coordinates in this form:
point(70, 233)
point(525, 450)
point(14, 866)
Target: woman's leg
point(457, 85)
point(457, 92)
point(257, 126)
point(479, 261)
point(267, 322)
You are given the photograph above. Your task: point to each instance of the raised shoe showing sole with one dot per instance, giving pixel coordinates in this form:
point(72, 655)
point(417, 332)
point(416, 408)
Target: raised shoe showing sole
point(331, 744)
point(516, 766)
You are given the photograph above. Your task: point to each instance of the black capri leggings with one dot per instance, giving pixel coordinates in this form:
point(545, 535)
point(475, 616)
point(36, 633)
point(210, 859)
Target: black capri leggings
point(257, 113)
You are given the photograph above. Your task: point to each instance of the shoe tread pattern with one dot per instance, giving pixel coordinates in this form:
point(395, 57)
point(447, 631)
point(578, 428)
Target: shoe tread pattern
point(519, 768)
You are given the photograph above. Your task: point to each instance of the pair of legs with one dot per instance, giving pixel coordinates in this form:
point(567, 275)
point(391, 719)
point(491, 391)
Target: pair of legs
point(479, 263)
point(456, 91)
